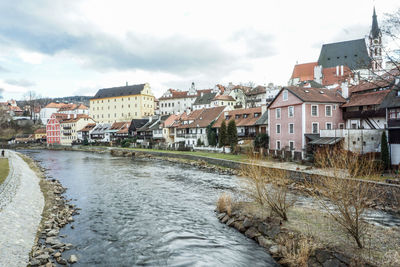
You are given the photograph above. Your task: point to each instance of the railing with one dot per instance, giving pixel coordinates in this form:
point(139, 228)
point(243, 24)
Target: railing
point(364, 114)
point(190, 135)
point(252, 134)
point(393, 123)
point(180, 135)
point(67, 128)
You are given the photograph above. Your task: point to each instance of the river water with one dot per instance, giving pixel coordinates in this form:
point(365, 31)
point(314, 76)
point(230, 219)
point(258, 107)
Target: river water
point(138, 212)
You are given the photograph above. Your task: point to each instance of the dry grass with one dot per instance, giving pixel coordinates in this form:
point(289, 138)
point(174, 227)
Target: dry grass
point(268, 187)
point(4, 169)
point(297, 250)
point(224, 203)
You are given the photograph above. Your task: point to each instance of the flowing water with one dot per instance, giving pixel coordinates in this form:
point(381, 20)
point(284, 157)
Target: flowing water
point(138, 212)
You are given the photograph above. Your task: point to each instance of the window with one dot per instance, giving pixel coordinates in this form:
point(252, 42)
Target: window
point(290, 111)
point(341, 125)
point(285, 95)
point(291, 128)
point(256, 115)
point(278, 113)
point(278, 145)
point(328, 111)
point(329, 126)
point(354, 126)
point(314, 111)
point(291, 145)
point(315, 128)
point(278, 128)
point(334, 107)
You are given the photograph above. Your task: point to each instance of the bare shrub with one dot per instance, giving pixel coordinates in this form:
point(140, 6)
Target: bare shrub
point(296, 251)
point(224, 204)
point(391, 259)
point(268, 187)
point(349, 197)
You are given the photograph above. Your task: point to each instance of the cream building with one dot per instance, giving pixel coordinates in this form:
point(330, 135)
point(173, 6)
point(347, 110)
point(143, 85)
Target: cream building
point(124, 103)
point(70, 127)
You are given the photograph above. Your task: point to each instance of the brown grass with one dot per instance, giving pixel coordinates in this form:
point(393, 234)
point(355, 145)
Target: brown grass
point(224, 204)
point(4, 169)
point(268, 187)
point(297, 250)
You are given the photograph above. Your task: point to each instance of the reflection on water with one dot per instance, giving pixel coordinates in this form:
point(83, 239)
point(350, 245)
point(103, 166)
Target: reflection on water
point(141, 212)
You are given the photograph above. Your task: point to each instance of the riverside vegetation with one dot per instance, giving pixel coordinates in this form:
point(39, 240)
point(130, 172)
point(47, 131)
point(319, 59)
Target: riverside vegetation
point(4, 169)
point(336, 233)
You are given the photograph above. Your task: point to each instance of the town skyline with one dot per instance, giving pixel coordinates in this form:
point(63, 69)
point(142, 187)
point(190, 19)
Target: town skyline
point(82, 50)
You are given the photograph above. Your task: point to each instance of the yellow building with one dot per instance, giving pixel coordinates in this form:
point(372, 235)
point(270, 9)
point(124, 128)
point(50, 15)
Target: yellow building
point(124, 103)
point(40, 134)
point(70, 127)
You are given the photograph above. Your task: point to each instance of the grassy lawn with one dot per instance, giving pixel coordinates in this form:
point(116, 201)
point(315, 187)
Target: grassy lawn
point(198, 153)
point(4, 169)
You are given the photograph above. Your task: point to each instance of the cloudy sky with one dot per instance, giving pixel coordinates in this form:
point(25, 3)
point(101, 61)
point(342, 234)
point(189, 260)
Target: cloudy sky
point(63, 48)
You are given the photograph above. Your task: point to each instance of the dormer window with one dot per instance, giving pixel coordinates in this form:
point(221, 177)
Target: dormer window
point(245, 115)
point(237, 116)
point(256, 115)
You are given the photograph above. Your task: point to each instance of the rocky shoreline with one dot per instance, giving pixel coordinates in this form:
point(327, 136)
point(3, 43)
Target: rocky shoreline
point(57, 213)
point(281, 243)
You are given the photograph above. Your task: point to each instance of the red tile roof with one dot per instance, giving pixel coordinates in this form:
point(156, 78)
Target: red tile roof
point(239, 116)
point(203, 117)
point(184, 94)
point(365, 86)
point(224, 97)
point(367, 99)
point(316, 94)
point(305, 72)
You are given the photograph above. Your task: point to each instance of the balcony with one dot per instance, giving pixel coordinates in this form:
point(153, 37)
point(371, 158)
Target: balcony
point(67, 128)
point(190, 135)
point(394, 123)
point(364, 114)
point(247, 134)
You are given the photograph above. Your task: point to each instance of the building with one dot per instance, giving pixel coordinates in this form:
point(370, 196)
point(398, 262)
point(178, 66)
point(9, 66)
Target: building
point(297, 112)
point(194, 127)
point(48, 110)
point(53, 128)
point(245, 120)
point(74, 109)
point(84, 133)
point(40, 135)
point(204, 100)
point(348, 61)
point(124, 103)
point(176, 102)
point(70, 127)
point(100, 133)
point(135, 125)
point(363, 111)
point(392, 106)
point(223, 100)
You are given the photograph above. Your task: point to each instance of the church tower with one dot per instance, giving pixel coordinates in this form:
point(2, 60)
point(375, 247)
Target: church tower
point(375, 44)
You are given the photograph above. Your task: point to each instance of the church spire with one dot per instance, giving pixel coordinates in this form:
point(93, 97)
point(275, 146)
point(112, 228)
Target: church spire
point(375, 31)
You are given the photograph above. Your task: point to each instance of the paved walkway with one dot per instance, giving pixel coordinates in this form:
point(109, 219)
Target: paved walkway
point(19, 217)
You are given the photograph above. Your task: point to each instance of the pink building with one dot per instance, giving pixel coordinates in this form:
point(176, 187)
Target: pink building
point(297, 112)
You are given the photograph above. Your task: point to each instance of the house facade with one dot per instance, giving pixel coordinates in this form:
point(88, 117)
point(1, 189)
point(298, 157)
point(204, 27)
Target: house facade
point(53, 130)
point(296, 112)
point(124, 103)
point(71, 126)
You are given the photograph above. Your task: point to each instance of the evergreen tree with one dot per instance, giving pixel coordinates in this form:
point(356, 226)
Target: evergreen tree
point(384, 151)
point(211, 135)
point(232, 137)
point(222, 138)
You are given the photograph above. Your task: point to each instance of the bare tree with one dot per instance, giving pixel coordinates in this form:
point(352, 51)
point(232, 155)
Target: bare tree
point(31, 100)
point(342, 193)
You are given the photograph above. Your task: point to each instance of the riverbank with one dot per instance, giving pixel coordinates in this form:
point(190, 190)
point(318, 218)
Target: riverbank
point(57, 213)
point(310, 237)
point(4, 169)
point(22, 205)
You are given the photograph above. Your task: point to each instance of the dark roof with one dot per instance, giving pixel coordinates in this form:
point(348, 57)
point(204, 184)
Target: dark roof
point(352, 53)
point(119, 91)
point(263, 119)
point(204, 98)
point(137, 123)
point(391, 100)
point(375, 31)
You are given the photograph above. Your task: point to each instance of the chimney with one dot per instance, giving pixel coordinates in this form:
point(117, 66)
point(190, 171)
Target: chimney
point(337, 70)
point(345, 89)
point(126, 83)
point(341, 70)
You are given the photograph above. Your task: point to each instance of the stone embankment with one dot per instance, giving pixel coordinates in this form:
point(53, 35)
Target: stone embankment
point(281, 243)
point(22, 206)
point(58, 212)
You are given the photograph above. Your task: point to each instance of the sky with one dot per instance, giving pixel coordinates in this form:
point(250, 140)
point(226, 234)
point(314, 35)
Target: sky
point(64, 48)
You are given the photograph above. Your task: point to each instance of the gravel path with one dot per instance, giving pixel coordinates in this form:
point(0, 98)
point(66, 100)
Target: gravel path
point(20, 216)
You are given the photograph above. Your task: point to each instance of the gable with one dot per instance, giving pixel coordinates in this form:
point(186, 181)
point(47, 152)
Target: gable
point(279, 102)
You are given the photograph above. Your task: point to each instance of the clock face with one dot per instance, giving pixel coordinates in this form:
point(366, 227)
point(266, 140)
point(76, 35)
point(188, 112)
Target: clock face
point(375, 41)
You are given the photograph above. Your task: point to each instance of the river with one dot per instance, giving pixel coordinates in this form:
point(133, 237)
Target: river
point(139, 212)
